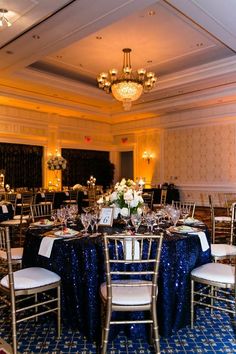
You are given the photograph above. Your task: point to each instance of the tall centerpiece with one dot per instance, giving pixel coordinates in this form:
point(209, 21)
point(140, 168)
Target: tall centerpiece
point(126, 198)
point(56, 163)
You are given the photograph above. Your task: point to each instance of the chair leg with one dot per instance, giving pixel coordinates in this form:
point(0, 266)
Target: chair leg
point(192, 303)
point(212, 291)
point(14, 338)
point(59, 311)
point(106, 329)
point(155, 329)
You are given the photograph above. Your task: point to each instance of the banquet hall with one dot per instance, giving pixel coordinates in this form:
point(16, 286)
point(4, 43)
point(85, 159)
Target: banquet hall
point(59, 60)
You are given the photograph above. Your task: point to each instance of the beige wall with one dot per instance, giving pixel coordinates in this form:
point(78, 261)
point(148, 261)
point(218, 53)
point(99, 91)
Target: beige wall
point(199, 157)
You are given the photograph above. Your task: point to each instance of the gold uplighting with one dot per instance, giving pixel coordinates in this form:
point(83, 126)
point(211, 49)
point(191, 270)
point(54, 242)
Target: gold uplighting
point(128, 86)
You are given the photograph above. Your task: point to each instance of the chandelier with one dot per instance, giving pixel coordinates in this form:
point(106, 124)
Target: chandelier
point(128, 86)
point(4, 22)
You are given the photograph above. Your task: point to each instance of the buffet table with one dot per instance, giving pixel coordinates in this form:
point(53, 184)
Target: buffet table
point(80, 263)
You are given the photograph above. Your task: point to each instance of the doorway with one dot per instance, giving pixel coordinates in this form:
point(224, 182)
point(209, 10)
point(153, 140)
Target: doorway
point(127, 164)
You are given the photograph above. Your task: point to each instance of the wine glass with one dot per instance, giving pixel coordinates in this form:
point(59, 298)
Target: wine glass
point(150, 220)
point(86, 220)
point(175, 215)
point(136, 221)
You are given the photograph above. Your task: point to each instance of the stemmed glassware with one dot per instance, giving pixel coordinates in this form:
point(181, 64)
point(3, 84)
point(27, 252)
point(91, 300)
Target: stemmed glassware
point(86, 220)
point(136, 221)
point(175, 215)
point(150, 220)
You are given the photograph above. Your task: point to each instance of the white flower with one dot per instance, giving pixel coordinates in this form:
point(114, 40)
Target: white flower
point(113, 196)
point(124, 212)
point(100, 200)
point(116, 212)
point(128, 196)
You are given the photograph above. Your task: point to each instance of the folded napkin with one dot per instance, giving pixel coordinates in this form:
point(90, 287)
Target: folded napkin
point(46, 245)
point(203, 240)
point(128, 250)
point(4, 209)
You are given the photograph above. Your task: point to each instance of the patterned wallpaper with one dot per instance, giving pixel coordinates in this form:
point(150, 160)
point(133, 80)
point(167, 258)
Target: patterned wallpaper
point(201, 155)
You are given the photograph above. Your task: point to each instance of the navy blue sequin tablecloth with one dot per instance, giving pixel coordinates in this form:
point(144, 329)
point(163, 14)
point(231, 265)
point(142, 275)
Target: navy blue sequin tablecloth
point(80, 263)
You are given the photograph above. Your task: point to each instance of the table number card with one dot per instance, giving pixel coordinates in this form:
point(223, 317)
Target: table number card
point(106, 217)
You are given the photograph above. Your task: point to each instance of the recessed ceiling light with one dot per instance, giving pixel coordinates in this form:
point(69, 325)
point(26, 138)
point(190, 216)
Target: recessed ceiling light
point(152, 13)
point(36, 36)
point(9, 52)
point(99, 37)
point(149, 61)
point(199, 44)
point(59, 56)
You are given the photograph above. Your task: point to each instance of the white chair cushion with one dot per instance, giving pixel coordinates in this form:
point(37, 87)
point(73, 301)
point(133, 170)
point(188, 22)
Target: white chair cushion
point(222, 218)
point(16, 253)
point(18, 217)
point(131, 295)
point(221, 250)
point(218, 272)
point(33, 277)
point(13, 222)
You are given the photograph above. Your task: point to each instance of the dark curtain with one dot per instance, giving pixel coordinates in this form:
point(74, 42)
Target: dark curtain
point(22, 165)
point(81, 164)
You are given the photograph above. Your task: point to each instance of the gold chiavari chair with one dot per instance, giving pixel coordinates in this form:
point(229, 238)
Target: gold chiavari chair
point(215, 282)
point(15, 287)
point(42, 210)
point(223, 227)
point(148, 198)
point(186, 207)
point(128, 286)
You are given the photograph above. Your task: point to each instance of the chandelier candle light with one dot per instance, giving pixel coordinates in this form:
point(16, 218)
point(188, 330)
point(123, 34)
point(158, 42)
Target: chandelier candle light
point(128, 86)
point(4, 22)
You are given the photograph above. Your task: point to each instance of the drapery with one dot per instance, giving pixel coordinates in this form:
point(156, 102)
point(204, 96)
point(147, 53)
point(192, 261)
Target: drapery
point(22, 164)
point(81, 164)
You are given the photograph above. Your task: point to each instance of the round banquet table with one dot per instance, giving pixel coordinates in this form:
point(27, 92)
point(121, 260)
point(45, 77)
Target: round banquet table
point(6, 211)
point(80, 263)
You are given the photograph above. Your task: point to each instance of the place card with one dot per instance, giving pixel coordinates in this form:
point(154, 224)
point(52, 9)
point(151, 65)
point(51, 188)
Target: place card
point(106, 217)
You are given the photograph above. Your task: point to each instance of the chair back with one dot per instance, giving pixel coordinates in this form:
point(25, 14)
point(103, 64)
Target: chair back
point(221, 226)
point(133, 257)
point(49, 197)
point(185, 207)
point(148, 198)
point(42, 210)
point(27, 198)
point(163, 197)
point(5, 246)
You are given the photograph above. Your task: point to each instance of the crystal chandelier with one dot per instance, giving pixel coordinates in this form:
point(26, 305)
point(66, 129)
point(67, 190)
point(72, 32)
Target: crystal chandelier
point(4, 22)
point(128, 86)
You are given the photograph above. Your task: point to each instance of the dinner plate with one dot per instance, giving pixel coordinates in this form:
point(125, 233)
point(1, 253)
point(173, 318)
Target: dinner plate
point(46, 223)
point(183, 229)
point(66, 233)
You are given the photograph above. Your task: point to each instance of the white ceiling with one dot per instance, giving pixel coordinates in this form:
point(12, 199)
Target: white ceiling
point(51, 55)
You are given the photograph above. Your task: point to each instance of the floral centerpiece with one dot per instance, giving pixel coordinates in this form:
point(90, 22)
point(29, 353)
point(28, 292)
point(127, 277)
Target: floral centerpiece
point(126, 198)
point(56, 163)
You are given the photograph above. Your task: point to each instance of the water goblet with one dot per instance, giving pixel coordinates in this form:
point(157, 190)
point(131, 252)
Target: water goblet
point(136, 221)
point(86, 219)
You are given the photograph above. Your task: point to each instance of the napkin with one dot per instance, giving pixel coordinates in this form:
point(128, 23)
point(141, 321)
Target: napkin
point(4, 209)
point(127, 245)
point(46, 245)
point(203, 240)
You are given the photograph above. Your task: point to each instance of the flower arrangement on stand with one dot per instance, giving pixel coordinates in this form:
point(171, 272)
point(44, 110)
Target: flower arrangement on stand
point(126, 198)
point(56, 163)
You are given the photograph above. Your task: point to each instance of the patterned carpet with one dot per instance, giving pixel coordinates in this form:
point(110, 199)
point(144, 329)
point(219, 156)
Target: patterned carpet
point(212, 334)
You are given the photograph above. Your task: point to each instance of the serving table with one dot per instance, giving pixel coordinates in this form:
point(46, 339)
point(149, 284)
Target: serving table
point(80, 263)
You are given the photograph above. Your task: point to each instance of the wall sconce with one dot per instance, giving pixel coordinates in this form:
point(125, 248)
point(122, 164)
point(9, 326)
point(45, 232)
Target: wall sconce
point(147, 156)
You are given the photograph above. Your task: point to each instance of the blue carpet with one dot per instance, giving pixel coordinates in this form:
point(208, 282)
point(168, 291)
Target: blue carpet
point(211, 334)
